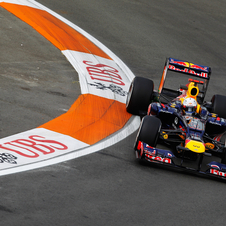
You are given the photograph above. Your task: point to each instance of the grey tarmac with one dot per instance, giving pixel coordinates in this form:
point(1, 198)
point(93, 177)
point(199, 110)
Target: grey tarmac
point(109, 187)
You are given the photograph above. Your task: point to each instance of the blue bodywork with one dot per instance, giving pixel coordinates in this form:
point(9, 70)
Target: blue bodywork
point(176, 128)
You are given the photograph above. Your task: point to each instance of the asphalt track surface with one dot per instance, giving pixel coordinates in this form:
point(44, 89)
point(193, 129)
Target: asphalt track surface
point(109, 187)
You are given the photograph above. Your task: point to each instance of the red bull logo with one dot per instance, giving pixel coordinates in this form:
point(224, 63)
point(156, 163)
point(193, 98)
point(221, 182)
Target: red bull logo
point(189, 65)
point(188, 71)
point(199, 67)
point(179, 62)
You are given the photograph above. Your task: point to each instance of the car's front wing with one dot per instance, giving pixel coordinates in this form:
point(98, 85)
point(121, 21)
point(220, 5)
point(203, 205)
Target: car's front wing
point(166, 157)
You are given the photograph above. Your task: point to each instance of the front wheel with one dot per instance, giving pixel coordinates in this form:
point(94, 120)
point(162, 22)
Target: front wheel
point(149, 131)
point(219, 105)
point(139, 95)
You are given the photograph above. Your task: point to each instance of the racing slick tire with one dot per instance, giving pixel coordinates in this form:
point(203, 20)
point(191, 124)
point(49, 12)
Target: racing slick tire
point(149, 131)
point(219, 105)
point(139, 95)
point(223, 140)
point(223, 157)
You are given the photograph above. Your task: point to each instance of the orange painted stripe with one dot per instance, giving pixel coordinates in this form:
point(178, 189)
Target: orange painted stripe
point(57, 32)
point(90, 119)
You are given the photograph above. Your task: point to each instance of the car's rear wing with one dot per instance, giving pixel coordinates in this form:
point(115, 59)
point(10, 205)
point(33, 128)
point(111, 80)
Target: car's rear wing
point(189, 68)
point(196, 70)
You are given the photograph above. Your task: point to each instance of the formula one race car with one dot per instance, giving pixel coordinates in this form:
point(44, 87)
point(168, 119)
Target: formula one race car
point(178, 127)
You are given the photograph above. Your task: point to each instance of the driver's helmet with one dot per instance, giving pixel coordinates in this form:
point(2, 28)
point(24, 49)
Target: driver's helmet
point(189, 106)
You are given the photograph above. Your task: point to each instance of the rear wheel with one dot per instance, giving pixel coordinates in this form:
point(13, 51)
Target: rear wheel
point(219, 105)
point(223, 140)
point(223, 158)
point(139, 95)
point(149, 131)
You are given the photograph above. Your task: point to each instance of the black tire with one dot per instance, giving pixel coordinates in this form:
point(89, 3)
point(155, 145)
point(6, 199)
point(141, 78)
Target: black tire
point(149, 131)
point(223, 140)
point(139, 95)
point(219, 105)
point(223, 157)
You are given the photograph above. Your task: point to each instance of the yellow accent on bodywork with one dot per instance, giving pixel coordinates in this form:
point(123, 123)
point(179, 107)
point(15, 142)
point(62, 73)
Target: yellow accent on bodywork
point(195, 146)
point(190, 87)
point(164, 135)
point(210, 145)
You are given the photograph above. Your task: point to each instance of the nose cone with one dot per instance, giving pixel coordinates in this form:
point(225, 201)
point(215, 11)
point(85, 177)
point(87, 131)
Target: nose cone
point(195, 146)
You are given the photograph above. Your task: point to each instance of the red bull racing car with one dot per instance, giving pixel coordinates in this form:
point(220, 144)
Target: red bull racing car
point(178, 127)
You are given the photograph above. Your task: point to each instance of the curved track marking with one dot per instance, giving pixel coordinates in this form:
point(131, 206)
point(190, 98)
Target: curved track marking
point(98, 117)
point(56, 31)
point(90, 119)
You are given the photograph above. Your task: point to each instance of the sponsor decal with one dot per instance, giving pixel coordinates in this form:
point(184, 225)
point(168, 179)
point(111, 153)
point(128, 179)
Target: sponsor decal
point(158, 158)
point(209, 145)
point(151, 151)
point(164, 135)
point(8, 158)
point(115, 89)
point(33, 146)
point(100, 76)
point(218, 172)
point(187, 64)
point(199, 67)
point(189, 71)
point(104, 73)
point(179, 62)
